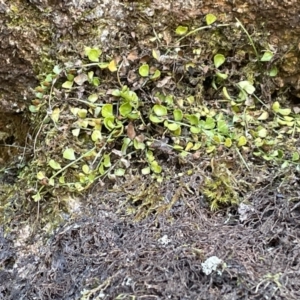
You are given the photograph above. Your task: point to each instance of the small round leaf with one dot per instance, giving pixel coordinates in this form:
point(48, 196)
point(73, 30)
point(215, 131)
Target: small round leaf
point(125, 109)
point(107, 110)
point(267, 56)
point(181, 30)
point(120, 172)
point(219, 59)
point(96, 135)
point(67, 84)
point(210, 19)
point(69, 154)
point(93, 98)
point(178, 115)
point(54, 165)
point(173, 126)
point(242, 141)
point(112, 66)
point(144, 70)
point(247, 86)
point(160, 110)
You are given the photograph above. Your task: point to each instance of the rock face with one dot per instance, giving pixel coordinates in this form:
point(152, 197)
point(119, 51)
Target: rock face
point(16, 73)
point(35, 33)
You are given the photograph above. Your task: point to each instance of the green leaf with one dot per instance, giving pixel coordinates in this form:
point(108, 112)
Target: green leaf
point(133, 116)
point(181, 30)
point(146, 171)
point(160, 110)
point(41, 175)
point(33, 108)
point(276, 106)
point(295, 156)
point(107, 110)
point(106, 160)
point(90, 76)
point(284, 111)
point(197, 146)
point(217, 139)
point(54, 165)
point(219, 59)
point(70, 77)
point(273, 72)
point(225, 93)
point(155, 167)
point(242, 141)
point(109, 122)
point(195, 130)
point(156, 54)
point(267, 56)
point(49, 77)
point(76, 131)
point(138, 145)
point(37, 197)
point(116, 93)
point(150, 156)
point(82, 113)
point(96, 81)
point(119, 172)
point(144, 70)
point(228, 142)
point(101, 169)
point(178, 115)
point(96, 135)
point(209, 123)
point(67, 84)
point(285, 164)
point(263, 132)
point(264, 116)
point(57, 69)
point(156, 75)
point(178, 147)
point(222, 127)
point(247, 86)
point(86, 169)
point(112, 66)
point(193, 119)
point(69, 154)
point(103, 65)
point(125, 109)
point(172, 126)
point(210, 149)
point(93, 98)
point(78, 187)
point(210, 19)
point(93, 53)
point(125, 145)
point(39, 95)
point(155, 119)
point(169, 100)
point(222, 76)
point(280, 153)
point(189, 146)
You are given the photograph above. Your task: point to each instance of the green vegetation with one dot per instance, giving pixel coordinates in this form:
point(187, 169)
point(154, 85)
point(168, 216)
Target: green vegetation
point(102, 117)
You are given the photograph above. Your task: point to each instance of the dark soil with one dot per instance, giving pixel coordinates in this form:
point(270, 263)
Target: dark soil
point(112, 257)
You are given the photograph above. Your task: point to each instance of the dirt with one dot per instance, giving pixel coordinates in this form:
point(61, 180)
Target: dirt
point(109, 256)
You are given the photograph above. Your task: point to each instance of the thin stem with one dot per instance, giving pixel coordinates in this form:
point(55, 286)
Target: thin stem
point(249, 37)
